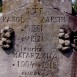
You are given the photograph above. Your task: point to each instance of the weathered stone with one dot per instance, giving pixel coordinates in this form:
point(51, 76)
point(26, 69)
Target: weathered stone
point(6, 46)
point(61, 41)
point(2, 31)
point(67, 42)
point(7, 34)
point(61, 34)
point(8, 41)
point(59, 47)
point(67, 36)
point(6, 28)
point(35, 52)
point(61, 30)
point(3, 39)
point(62, 5)
point(65, 48)
point(0, 42)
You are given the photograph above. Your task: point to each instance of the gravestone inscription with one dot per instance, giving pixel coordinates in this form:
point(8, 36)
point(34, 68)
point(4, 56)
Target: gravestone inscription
point(35, 52)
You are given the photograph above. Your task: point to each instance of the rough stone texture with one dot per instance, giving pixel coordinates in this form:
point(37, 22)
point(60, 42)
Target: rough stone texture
point(36, 40)
point(62, 5)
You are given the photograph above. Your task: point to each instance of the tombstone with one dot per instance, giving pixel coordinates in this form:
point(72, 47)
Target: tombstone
point(38, 31)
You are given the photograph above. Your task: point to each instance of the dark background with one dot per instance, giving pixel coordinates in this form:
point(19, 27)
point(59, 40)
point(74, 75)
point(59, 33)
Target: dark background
point(0, 5)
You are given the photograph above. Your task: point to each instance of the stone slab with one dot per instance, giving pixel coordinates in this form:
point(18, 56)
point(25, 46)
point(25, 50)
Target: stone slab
point(35, 52)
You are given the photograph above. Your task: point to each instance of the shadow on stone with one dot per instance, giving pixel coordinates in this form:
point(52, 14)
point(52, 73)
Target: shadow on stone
point(68, 53)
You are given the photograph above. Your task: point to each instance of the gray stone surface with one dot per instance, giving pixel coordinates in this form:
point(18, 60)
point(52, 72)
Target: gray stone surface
point(35, 52)
point(62, 5)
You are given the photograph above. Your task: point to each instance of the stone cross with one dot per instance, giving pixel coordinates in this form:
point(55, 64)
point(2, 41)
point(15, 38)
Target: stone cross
point(63, 5)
